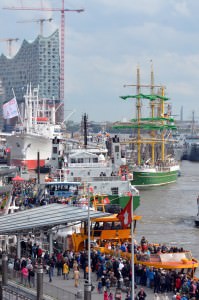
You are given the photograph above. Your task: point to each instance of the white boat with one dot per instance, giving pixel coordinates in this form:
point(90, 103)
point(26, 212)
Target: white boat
point(107, 175)
point(34, 133)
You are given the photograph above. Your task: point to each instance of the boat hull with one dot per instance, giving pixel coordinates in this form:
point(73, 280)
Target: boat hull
point(123, 200)
point(149, 179)
point(24, 149)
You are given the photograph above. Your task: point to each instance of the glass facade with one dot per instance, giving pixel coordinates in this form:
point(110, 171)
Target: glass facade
point(36, 63)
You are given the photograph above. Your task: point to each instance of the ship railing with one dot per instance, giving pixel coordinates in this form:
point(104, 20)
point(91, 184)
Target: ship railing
point(104, 178)
point(162, 169)
point(99, 179)
point(88, 165)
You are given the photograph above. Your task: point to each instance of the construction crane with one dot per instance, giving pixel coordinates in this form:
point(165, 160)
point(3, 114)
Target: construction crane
point(9, 42)
point(40, 21)
point(62, 10)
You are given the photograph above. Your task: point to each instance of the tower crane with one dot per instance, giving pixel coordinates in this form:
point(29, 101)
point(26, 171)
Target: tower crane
point(62, 10)
point(9, 42)
point(40, 21)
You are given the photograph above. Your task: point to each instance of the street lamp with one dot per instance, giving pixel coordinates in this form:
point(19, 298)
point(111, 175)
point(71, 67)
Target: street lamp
point(88, 285)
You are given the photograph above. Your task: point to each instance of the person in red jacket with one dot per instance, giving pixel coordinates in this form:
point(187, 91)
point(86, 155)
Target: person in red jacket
point(178, 284)
point(178, 297)
point(39, 252)
point(105, 295)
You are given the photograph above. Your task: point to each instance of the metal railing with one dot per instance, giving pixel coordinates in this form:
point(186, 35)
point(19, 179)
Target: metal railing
point(48, 289)
point(12, 293)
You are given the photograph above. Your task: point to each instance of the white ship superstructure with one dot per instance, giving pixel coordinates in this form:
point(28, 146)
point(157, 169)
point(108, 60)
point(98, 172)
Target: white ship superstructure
point(93, 165)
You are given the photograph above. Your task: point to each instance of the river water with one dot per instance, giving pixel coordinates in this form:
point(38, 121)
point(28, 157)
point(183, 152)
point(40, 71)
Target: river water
point(168, 212)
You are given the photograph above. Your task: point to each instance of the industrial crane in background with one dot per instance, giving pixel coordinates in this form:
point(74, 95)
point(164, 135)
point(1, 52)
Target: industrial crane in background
point(9, 43)
point(40, 21)
point(62, 10)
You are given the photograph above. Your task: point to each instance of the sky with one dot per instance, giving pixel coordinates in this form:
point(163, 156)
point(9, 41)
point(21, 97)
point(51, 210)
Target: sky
point(106, 43)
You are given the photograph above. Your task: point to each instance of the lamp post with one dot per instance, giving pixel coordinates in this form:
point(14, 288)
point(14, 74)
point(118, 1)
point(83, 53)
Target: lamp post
point(87, 286)
point(38, 167)
point(132, 253)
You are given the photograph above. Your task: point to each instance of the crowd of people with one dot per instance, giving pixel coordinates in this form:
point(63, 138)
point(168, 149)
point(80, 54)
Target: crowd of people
point(24, 194)
point(113, 274)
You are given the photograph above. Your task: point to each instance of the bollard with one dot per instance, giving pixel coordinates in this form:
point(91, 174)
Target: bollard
point(40, 272)
point(87, 291)
point(4, 269)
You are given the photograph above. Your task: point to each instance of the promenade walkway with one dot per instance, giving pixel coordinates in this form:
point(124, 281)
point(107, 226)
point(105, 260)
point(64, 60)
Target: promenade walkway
point(68, 285)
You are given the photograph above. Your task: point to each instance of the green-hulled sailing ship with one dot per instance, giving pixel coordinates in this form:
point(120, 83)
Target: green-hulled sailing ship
point(152, 136)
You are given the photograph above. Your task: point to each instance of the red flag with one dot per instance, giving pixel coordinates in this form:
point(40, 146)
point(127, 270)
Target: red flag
point(125, 216)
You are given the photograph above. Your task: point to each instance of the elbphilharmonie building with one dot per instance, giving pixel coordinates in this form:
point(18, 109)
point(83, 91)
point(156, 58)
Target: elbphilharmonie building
point(36, 63)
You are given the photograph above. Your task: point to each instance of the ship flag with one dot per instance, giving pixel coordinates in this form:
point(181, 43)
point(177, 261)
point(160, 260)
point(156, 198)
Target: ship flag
point(10, 109)
point(125, 216)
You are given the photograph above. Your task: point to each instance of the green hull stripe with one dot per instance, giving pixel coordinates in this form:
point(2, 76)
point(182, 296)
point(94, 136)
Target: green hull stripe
point(142, 179)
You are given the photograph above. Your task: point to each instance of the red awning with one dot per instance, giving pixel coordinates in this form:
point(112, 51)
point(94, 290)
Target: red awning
point(18, 178)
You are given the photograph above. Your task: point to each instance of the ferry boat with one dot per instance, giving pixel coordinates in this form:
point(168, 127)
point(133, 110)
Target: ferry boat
point(107, 231)
point(103, 230)
point(182, 261)
point(159, 167)
point(34, 132)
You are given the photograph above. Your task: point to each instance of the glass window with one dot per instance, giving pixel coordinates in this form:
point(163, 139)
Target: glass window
point(54, 150)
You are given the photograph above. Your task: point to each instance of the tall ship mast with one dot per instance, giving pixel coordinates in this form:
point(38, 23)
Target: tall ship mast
point(153, 165)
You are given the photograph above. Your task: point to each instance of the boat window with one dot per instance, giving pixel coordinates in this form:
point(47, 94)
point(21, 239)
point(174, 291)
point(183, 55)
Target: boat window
point(116, 225)
point(117, 148)
point(107, 225)
point(115, 190)
point(54, 150)
point(80, 160)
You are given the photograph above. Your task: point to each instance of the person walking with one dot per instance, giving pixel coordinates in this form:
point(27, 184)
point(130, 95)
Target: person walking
point(24, 273)
point(106, 295)
point(65, 270)
point(76, 277)
point(31, 277)
point(51, 269)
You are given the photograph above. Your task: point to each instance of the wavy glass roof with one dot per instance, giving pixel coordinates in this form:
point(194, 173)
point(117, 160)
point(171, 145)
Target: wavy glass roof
point(46, 216)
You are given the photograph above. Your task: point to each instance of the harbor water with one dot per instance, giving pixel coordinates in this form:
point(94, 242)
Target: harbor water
point(168, 211)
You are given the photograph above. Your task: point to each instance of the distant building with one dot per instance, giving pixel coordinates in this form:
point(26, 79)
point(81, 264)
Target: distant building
point(2, 99)
point(36, 62)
